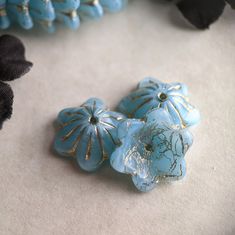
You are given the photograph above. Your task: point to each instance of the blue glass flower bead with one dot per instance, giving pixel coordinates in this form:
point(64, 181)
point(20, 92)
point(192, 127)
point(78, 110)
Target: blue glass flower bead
point(4, 20)
point(43, 13)
point(151, 150)
point(113, 6)
point(18, 10)
point(90, 9)
point(151, 94)
point(88, 133)
point(46, 12)
point(66, 12)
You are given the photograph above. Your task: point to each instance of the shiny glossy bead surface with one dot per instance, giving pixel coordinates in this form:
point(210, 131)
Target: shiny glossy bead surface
point(151, 150)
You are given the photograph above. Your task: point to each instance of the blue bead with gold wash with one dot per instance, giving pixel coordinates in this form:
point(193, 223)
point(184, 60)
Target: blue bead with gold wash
point(18, 11)
point(151, 94)
point(88, 133)
point(90, 9)
point(43, 13)
point(66, 12)
point(151, 150)
point(113, 6)
point(4, 20)
point(28, 13)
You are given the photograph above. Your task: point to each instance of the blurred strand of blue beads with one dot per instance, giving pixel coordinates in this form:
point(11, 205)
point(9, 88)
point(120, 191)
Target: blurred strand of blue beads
point(27, 13)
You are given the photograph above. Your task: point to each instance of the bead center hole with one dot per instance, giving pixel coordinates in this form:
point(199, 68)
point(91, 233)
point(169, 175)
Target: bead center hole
point(93, 120)
point(149, 147)
point(162, 96)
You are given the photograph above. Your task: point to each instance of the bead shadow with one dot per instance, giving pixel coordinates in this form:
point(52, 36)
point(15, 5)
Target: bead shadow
point(105, 174)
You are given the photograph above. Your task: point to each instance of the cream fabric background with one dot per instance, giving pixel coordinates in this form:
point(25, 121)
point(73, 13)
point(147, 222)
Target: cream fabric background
point(44, 194)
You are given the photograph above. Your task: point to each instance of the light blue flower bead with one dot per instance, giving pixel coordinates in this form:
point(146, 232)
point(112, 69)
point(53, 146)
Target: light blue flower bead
point(151, 150)
point(151, 94)
point(113, 5)
point(90, 9)
point(46, 12)
point(18, 11)
point(66, 12)
point(88, 133)
point(43, 12)
point(4, 20)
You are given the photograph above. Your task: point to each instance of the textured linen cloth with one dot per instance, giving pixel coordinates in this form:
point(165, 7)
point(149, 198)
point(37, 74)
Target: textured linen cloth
point(42, 193)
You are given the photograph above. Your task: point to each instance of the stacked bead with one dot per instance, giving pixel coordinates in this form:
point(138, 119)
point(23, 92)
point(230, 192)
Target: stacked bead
point(147, 138)
point(44, 12)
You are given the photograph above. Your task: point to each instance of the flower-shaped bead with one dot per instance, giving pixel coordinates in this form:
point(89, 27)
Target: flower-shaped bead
point(114, 5)
point(4, 20)
point(88, 133)
point(66, 11)
point(151, 150)
point(151, 94)
point(43, 13)
point(18, 11)
point(90, 9)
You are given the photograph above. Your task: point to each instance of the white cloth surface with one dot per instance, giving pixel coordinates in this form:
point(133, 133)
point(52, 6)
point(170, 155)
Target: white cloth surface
point(41, 193)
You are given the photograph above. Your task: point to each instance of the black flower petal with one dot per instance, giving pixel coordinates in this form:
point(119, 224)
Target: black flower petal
point(6, 101)
point(232, 3)
point(12, 58)
point(201, 13)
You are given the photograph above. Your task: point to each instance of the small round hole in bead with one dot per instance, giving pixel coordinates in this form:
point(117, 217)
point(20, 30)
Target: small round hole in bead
point(149, 147)
point(93, 120)
point(162, 96)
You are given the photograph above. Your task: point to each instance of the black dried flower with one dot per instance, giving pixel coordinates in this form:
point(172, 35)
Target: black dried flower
point(12, 65)
point(202, 13)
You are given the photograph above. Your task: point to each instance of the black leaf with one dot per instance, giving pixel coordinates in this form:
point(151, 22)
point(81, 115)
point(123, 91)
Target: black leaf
point(201, 13)
point(12, 58)
point(6, 101)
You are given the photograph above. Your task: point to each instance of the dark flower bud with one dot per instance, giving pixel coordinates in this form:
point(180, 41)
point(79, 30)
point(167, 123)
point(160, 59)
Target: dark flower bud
point(6, 101)
point(201, 13)
point(12, 58)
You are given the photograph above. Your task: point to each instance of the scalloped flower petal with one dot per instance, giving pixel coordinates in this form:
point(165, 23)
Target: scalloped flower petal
point(88, 133)
point(151, 94)
point(151, 150)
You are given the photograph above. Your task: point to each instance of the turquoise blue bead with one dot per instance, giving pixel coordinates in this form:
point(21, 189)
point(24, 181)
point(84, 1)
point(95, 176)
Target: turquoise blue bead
point(113, 6)
point(66, 12)
point(43, 13)
point(151, 150)
point(18, 10)
point(90, 9)
point(4, 20)
point(28, 13)
point(87, 133)
point(151, 94)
